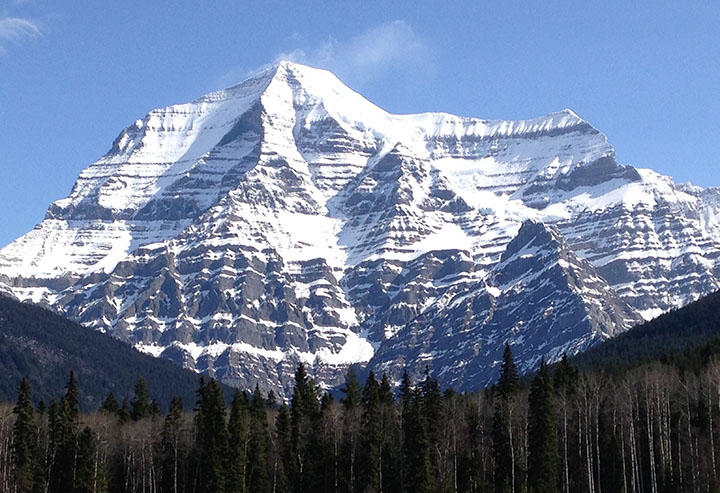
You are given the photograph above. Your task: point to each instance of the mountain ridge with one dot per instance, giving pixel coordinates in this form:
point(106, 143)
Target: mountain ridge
point(288, 219)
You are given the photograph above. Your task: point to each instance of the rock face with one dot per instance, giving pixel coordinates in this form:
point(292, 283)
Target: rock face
point(288, 219)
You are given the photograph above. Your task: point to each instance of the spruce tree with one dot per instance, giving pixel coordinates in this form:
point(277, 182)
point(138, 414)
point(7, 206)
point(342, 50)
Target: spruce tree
point(283, 433)
point(543, 461)
point(370, 463)
point(417, 467)
point(110, 405)
point(509, 381)
point(238, 434)
point(124, 413)
point(212, 436)
point(503, 446)
point(351, 429)
point(257, 459)
point(171, 445)
point(351, 389)
point(24, 438)
point(304, 410)
point(141, 406)
point(85, 479)
point(64, 432)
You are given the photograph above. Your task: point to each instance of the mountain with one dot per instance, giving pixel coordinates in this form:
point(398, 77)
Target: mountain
point(44, 347)
point(686, 334)
point(288, 219)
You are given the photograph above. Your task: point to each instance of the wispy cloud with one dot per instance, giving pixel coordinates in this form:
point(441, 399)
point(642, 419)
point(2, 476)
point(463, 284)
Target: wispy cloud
point(16, 30)
point(381, 49)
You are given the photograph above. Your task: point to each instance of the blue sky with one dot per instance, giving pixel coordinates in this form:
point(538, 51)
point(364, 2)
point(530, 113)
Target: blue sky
point(74, 73)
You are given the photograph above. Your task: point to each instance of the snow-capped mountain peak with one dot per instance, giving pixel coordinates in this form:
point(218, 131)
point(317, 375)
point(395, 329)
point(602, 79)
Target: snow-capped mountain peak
point(288, 219)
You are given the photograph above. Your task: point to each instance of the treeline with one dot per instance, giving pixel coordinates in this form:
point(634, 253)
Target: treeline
point(652, 429)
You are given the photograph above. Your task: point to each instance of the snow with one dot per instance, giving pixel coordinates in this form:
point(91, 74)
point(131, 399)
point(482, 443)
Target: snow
point(276, 196)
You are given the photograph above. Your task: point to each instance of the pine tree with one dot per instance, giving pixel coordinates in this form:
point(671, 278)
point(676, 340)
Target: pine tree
point(24, 438)
point(110, 405)
point(351, 389)
point(64, 432)
point(85, 479)
point(543, 470)
point(351, 429)
point(141, 403)
point(432, 403)
point(238, 433)
point(124, 413)
point(391, 456)
point(417, 466)
point(503, 446)
point(212, 436)
point(257, 460)
point(283, 433)
point(370, 464)
point(509, 381)
point(171, 443)
point(304, 410)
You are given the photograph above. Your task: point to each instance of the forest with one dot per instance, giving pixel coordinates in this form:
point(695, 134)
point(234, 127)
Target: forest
point(651, 428)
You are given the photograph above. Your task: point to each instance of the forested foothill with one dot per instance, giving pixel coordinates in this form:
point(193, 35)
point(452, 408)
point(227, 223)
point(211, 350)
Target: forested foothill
point(650, 425)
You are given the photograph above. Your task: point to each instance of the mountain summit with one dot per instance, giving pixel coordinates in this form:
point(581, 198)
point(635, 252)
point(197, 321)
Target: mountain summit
point(288, 219)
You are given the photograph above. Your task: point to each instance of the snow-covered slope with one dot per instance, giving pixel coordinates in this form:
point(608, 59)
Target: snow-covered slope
point(289, 219)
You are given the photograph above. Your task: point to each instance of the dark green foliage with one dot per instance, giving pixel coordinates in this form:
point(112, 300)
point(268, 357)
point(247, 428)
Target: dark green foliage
point(64, 426)
point(257, 456)
point(212, 437)
point(141, 401)
point(172, 456)
point(110, 404)
point(675, 334)
point(543, 468)
point(124, 413)
point(85, 480)
point(44, 347)
point(238, 441)
point(416, 456)
point(283, 450)
point(351, 389)
point(509, 381)
point(503, 444)
point(305, 412)
point(370, 459)
point(24, 439)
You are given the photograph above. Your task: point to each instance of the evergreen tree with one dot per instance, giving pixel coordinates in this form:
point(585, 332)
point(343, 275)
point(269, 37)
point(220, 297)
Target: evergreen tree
point(64, 433)
point(124, 413)
point(257, 460)
point(110, 405)
point(238, 434)
point(86, 477)
point(372, 429)
point(304, 410)
point(351, 429)
point(283, 433)
point(155, 409)
point(432, 403)
point(24, 438)
point(212, 436)
point(417, 467)
point(543, 470)
point(503, 446)
point(171, 442)
point(141, 406)
point(351, 389)
point(271, 401)
point(509, 381)
point(391, 456)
